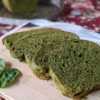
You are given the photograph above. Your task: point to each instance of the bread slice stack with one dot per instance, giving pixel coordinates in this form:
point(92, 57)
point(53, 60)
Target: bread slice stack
point(72, 64)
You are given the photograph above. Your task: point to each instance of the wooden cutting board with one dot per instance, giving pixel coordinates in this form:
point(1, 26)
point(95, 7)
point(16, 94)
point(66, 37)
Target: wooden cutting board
point(29, 87)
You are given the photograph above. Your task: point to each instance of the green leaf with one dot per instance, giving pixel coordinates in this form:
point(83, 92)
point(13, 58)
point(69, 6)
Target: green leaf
point(8, 77)
point(2, 66)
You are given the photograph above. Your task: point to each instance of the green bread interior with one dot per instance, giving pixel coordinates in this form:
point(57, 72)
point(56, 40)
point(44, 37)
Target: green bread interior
point(40, 40)
point(38, 43)
point(20, 6)
point(26, 48)
point(32, 43)
point(73, 65)
point(10, 40)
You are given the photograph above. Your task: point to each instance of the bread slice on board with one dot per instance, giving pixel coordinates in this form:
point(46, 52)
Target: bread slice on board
point(73, 65)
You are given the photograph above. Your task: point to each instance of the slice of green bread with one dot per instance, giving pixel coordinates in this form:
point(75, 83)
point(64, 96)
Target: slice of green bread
point(10, 40)
point(32, 43)
point(73, 65)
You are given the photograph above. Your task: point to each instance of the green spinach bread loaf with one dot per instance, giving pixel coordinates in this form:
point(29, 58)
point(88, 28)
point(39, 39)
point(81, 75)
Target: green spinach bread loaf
point(73, 65)
point(20, 6)
point(10, 40)
point(34, 42)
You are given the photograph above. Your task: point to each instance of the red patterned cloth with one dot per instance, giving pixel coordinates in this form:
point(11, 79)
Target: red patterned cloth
point(82, 12)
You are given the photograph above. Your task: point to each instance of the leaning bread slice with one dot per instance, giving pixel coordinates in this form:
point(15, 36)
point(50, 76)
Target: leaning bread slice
point(73, 65)
point(10, 40)
point(32, 43)
point(36, 42)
